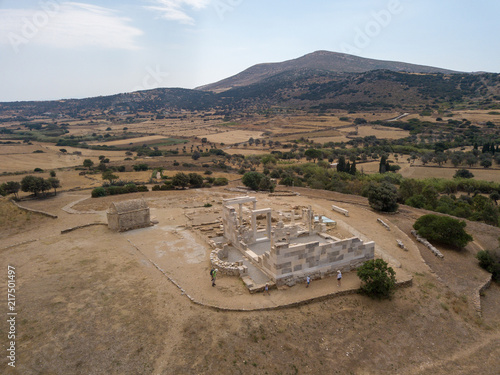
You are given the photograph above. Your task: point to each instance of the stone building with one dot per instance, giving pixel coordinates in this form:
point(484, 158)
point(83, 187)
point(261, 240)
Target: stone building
point(127, 215)
point(289, 252)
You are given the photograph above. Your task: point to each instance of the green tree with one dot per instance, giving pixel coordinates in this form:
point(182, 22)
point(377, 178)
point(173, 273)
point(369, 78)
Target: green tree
point(384, 165)
point(108, 175)
point(383, 197)
point(87, 163)
point(378, 279)
point(12, 187)
point(341, 164)
point(181, 180)
point(266, 184)
point(463, 173)
point(490, 263)
point(313, 153)
point(495, 196)
point(443, 229)
point(54, 183)
point(252, 180)
point(195, 180)
point(196, 155)
point(352, 170)
point(32, 184)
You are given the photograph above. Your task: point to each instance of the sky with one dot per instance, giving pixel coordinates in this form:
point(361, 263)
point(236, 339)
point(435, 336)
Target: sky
point(53, 49)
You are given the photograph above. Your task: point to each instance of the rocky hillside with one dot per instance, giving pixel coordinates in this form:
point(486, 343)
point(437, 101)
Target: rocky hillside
point(319, 60)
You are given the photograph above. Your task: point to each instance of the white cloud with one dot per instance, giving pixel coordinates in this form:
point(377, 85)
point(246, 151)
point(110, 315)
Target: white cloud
point(67, 25)
point(175, 10)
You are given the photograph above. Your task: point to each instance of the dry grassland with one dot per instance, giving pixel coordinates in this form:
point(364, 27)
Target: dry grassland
point(14, 158)
point(233, 136)
point(90, 303)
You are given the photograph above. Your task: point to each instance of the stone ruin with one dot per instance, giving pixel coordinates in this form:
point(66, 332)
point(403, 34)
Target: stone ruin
point(286, 253)
point(128, 215)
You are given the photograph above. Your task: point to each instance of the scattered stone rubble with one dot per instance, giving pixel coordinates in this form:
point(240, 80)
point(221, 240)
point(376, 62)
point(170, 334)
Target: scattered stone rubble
point(427, 244)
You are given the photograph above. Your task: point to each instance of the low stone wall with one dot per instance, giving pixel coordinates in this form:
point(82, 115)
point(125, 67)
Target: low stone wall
point(80, 227)
point(427, 244)
point(31, 210)
point(340, 210)
point(226, 268)
point(476, 300)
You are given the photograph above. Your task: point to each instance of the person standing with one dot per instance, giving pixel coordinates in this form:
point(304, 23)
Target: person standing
point(308, 281)
point(214, 276)
point(339, 278)
point(266, 289)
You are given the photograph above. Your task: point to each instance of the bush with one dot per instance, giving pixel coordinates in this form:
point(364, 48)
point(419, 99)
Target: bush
point(463, 173)
point(443, 229)
point(490, 263)
point(131, 188)
point(220, 181)
point(252, 180)
point(142, 188)
point(383, 197)
point(141, 167)
point(379, 280)
point(168, 185)
point(99, 192)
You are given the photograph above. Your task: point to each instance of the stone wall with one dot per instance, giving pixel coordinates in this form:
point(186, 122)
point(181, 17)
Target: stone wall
point(217, 257)
point(292, 263)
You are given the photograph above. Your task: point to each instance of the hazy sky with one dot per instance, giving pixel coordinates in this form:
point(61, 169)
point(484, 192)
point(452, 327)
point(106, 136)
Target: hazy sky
point(52, 49)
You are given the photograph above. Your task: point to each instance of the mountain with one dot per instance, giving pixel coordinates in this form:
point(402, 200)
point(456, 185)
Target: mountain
point(320, 81)
point(319, 60)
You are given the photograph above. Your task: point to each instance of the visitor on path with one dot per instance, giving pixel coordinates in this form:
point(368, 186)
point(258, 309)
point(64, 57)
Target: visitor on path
point(308, 281)
point(214, 276)
point(339, 278)
point(266, 289)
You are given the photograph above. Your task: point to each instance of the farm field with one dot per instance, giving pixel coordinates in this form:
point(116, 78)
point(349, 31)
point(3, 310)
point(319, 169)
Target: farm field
point(233, 136)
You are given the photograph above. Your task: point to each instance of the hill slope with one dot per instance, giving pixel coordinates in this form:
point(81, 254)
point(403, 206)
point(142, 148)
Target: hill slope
point(319, 60)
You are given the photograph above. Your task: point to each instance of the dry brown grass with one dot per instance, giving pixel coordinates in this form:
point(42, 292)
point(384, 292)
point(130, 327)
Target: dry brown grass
point(91, 304)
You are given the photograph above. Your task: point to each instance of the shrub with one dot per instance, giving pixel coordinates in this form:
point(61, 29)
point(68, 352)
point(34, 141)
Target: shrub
point(142, 188)
point(463, 173)
point(220, 181)
point(141, 167)
point(379, 280)
point(168, 185)
point(252, 180)
point(131, 188)
point(383, 197)
point(443, 229)
point(99, 192)
point(490, 263)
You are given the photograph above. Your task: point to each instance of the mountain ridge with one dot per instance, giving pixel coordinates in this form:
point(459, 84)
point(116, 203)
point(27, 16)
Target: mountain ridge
point(319, 60)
